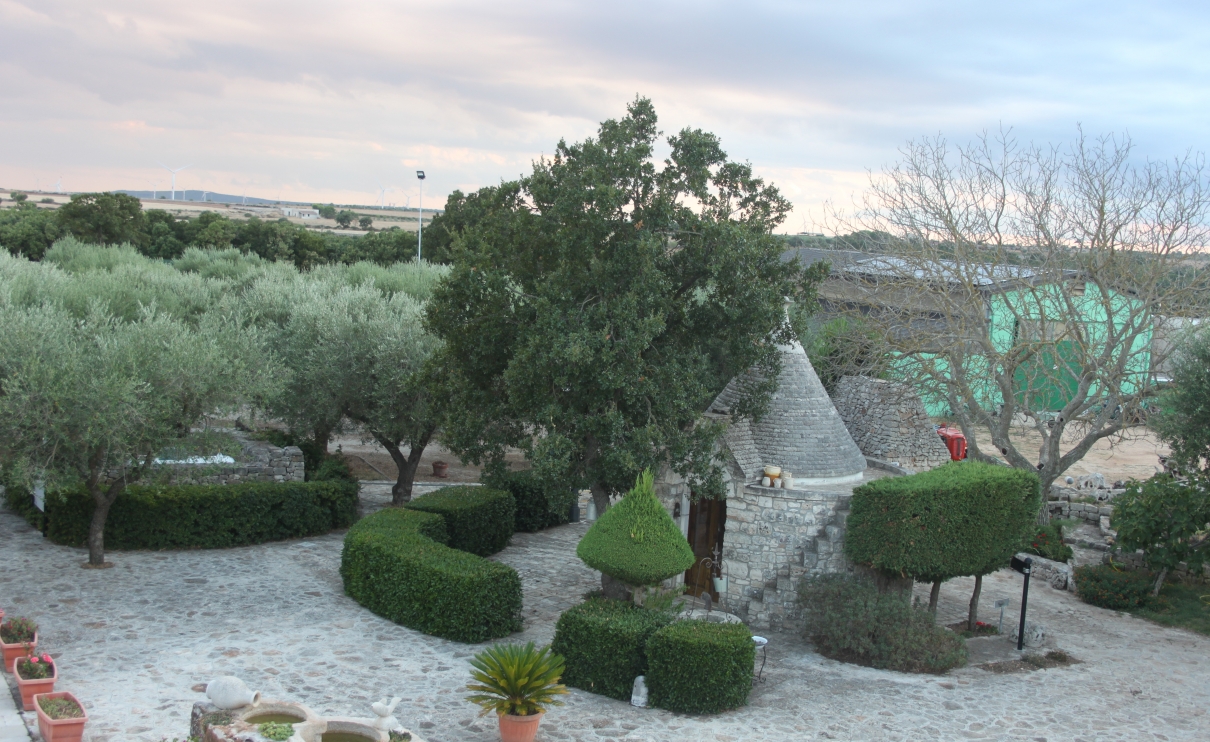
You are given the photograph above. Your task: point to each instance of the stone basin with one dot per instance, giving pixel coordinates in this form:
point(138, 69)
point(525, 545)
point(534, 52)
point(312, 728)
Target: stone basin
point(701, 614)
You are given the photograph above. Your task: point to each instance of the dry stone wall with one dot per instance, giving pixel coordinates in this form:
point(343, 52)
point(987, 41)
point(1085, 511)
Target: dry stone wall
point(259, 462)
point(773, 538)
point(887, 420)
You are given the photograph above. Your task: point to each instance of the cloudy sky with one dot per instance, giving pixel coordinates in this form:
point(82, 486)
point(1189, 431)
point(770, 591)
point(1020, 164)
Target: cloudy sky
point(308, 100)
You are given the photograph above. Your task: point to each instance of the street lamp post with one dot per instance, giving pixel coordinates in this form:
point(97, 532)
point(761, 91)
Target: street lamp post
point(420, 222)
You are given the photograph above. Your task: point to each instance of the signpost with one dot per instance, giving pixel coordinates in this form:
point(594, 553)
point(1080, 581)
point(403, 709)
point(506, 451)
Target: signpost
point(1024, 566)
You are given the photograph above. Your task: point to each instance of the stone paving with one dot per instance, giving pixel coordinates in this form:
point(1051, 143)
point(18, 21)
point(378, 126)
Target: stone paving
point(134, 640)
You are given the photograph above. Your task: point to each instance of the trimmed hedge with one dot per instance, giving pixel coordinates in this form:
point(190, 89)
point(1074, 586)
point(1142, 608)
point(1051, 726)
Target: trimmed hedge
point(1104, 586)
point(963, 518)
point(540, 504)
point(477, 519)
point(699, 667)
point(195, 516)
point(636, 541)
point(395, 563)
point(604, 645)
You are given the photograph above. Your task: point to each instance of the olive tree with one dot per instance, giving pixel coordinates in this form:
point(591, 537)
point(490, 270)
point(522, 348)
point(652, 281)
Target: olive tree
point(352, 346)
point(92, 401)
point(1019, 287)
point(1184, 422)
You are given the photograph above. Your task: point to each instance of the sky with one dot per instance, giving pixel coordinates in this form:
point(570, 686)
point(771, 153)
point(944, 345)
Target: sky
point(323, 101)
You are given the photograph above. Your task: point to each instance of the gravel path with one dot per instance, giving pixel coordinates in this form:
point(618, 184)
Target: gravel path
point(133, 640)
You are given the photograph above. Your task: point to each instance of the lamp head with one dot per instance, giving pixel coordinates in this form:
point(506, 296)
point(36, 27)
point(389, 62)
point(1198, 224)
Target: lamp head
point(420, 174)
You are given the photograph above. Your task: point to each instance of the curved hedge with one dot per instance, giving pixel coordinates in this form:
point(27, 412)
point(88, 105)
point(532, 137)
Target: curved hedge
point(964, 518)
point(195, 516)
point(395, 563)
point(700, 667)
point(477, 519)
point(604, 645)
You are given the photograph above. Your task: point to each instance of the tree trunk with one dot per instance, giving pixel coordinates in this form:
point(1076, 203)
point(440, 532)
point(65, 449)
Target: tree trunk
point(600, 498)
point(96, 530)
point(973, 617)
point(934, 595)
point(1159, 582)
point(406, 467)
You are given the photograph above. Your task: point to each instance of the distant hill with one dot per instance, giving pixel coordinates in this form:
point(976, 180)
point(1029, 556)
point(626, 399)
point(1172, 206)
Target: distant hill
point(226, 198)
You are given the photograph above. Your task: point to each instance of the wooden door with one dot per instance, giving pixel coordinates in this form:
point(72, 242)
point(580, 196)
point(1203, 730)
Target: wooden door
point(707, 520)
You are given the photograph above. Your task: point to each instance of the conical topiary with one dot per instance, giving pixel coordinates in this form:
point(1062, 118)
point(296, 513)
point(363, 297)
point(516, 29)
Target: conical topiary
point(636, 541)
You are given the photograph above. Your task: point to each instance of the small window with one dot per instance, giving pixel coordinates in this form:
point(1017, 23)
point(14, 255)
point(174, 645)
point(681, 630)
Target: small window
point(1076, 288)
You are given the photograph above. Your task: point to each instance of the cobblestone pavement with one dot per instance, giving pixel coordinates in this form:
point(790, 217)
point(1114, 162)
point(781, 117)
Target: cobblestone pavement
point(133, 640)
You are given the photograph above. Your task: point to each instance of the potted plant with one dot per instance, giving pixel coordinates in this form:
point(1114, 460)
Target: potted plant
point(518, 683)
point(34, 675)
point(18, 638)
point(61, 718)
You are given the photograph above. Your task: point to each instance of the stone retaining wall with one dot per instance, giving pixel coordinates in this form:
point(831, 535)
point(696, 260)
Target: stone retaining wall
point(1087, 512)
point(887, 420)
point(259, 462)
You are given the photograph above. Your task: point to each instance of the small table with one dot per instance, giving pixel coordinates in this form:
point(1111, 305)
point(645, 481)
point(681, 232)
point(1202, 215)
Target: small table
point(762, 644)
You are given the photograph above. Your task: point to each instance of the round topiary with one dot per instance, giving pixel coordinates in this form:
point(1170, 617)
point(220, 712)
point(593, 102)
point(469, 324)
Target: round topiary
point(636, 541)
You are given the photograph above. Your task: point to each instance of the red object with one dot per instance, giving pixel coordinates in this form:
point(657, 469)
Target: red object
point(31, 688)
point(955, 441)
point(440, 468)
point(60, 730)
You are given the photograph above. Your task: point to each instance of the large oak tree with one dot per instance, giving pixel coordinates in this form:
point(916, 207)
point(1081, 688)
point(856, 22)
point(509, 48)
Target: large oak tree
point(597, 306)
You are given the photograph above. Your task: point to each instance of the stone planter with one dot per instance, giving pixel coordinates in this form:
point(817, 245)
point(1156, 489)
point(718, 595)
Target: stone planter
point(17, 649)
point(31, 688)
point(60, 730)
point(519, 728)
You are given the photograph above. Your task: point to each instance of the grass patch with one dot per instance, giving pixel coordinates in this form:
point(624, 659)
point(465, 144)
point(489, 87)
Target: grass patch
point(1030, 662)
point(1182, 606)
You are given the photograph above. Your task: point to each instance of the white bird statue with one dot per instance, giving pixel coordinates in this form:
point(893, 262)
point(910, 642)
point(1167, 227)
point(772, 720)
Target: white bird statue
point(386, 719)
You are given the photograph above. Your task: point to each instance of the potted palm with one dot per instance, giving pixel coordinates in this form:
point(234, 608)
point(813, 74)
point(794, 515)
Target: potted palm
point(61, 718)
point(18, 638)
point(518, 683)
point(34, 675)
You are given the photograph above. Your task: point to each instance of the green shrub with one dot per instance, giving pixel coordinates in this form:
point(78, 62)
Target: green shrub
point(846, 618)
point(331, 469)
point(636, 540)
point(699, 667)
point(1166, 518)
point(1047, 542)
point(604, 645)
point(1107, 587)
point(478, 519)
point(964, 518)
point(396, 563)
point(195, 516)
point(540, 504)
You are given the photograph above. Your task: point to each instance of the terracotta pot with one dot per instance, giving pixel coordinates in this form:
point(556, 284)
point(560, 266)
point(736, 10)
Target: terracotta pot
point(31, 688)
point(440, 468)
point(13, 651)
point(60, 730)
point(519, 728)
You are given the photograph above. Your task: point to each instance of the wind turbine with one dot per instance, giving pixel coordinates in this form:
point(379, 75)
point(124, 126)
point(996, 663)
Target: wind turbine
point(382, 193)
point(174, 172)
point(59, 185)
point(154, 185)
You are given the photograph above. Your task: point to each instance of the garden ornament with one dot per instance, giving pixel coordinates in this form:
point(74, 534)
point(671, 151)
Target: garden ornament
point(229, 692)
point(385, 712)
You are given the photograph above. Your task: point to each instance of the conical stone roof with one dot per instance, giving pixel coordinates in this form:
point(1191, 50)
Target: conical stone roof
point(802, 432)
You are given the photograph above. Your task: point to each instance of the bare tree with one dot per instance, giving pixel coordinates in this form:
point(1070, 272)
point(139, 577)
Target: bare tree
point(1021, 286)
